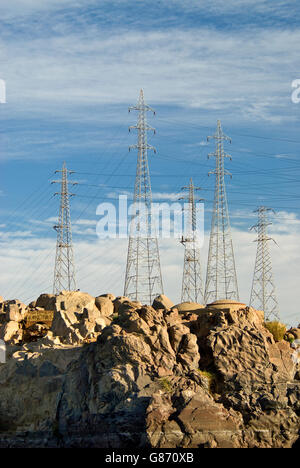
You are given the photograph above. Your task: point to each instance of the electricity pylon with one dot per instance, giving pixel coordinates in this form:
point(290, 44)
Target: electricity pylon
point(64, 271)
point(221, 279)
point(143, 280)
point(263, 294)
point(192, 282)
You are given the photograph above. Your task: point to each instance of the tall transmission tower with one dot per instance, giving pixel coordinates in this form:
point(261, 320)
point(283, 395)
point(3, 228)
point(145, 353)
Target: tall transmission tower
point(143, 281)
point(64, 271)
point(263, 294)
point(221, 279)
point(192, 282)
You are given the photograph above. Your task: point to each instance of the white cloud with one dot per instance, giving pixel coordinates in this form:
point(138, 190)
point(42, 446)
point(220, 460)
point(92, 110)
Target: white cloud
point(85, 222)
point(171, 196)
point(247, 72)
point(13, 234)
point(21, 8)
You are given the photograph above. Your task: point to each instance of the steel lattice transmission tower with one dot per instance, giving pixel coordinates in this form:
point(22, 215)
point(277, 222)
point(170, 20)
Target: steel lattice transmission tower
point(263, 294)
point(221, 279)
point(143, 281)
point(64, 271)
point(192, 282)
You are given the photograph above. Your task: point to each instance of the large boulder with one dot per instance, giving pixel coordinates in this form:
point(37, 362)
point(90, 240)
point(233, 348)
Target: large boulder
point(46, 301)
point(77, 318)
point(123, 303)
point(162, 302)
point(90, 312)
point(109, 296)
point(62, 327)
point(120, 300)
point(105, 306)
point(74, 301)
point(213, 316)
point(15, 312)
point(11, 332)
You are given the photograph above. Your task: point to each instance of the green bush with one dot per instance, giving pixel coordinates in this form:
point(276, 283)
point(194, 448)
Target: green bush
point(166, 385)
point(277, 329)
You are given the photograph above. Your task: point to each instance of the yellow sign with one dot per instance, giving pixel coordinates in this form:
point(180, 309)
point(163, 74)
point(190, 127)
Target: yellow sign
point(39, 316)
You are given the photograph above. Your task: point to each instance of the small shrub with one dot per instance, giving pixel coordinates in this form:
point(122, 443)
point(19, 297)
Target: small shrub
point(212, 379)
point(277, 329)
point(166, 385)
point(289, 338)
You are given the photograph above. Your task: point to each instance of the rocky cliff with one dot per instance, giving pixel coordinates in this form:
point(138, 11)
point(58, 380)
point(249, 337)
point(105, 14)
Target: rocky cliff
point(107, 372)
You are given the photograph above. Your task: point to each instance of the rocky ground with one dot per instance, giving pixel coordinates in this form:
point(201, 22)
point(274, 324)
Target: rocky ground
point(109, 372)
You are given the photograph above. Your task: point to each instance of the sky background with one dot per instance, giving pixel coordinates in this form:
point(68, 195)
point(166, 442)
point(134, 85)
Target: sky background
point(72, 68)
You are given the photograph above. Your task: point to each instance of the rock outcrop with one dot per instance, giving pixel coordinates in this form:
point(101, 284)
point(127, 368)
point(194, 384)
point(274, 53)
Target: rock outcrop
point(162, 302)
point(146, 376)
point(71, 318)
point(12, 314)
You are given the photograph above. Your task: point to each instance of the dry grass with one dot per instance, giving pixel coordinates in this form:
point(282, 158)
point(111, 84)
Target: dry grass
point(277, 329)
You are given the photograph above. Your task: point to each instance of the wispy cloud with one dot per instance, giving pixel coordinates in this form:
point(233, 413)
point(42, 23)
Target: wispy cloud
point(218, 70)
point(15, 234)
point(21, 8)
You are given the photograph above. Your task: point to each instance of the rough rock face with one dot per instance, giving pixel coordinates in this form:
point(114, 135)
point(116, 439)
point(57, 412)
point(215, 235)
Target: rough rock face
point(75, 318)
point(154, 378)
point(12, 313)
point(11, 331)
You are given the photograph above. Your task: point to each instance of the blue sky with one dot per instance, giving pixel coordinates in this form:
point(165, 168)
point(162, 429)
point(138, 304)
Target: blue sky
point(72, 68)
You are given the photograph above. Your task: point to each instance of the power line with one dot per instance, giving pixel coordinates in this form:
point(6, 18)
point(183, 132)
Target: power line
point(245, 135)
